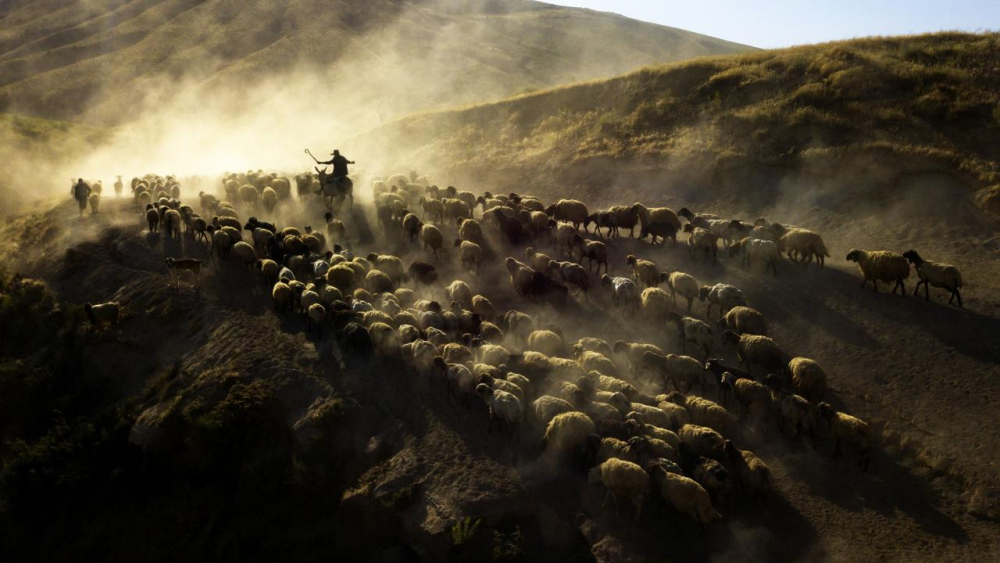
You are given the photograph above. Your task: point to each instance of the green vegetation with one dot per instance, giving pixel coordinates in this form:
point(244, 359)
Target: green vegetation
point(463, 531)
point(930, 98)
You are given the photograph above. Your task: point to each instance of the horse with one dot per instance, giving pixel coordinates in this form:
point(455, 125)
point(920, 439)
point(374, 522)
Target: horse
point(331, 190)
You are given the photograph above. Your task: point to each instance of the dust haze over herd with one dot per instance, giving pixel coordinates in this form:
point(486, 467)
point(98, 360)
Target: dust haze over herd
point(245, 416)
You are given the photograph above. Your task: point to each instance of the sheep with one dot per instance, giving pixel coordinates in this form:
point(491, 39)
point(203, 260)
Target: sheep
point(704, 412)
point(595, 361)
point(316, 314)
point(283, 297)
point(571, 273)
point(622, 478)
point(693, 330)
point(753, 400)
point(611, 448)
point(703, 240)
point(470, 253)
point(683, 372)
point(655, 304)
point(846, 428)
point(937, 274)
point(755, 349)
point(175, 266)
point(791, 411)
point(422, 273)
point(611, 384)
point(752, 473)
point(546, 342)
point(172, 222)
point(269, 198)
point(548, 407)
point(707, 472)
point(492, 354)
point(703, 440)
point(152, 218)
point(881, 265)
point(683, 284)
point(593, 345)
point(653, 415)
point(95, 202)
point(685, 495)
point(460, 291)
point(570, 211)
point(593, 251)
point(803, 244)
point(269, 271)
point(649, 216)
point(378, 282)
point(808, 379)
point(722, 295)
point(756, 249)
point(744, 320)
point(568, 432)
point(103, 314)
point(432, 208)
point(624, 292)
point(502, 405)
point(537, 260)
point(244, 254)
point(456, 208)
point(634, 353)
point(518, 325)
point(677, 414)
point(644, 271)
point(520, 275)
point(603, 219)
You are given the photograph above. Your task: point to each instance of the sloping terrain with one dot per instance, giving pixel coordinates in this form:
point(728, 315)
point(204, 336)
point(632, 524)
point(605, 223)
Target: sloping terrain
point(846, 127)
point(240, 433)
point(107, 60)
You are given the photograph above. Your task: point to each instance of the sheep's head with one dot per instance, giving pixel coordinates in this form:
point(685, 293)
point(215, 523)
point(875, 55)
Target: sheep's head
point(686, 213)
point(703, 292)
point(484, 390)
point(854, 255)
point(689, 228)
point(912, 257)
point(630, 260)
point(731, 337)
point(606, 280)
point(676, 398)
point(825, 410)
point(621, 347)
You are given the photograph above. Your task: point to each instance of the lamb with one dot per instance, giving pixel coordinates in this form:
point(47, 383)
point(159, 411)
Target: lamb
point(571, 273)
point(846, 428)
point(655, 304)
point(756, 249)
point(315, 314)
point(622, 478)
point(755, 349)
point(693, 330)
point(683, 372)
point(176, 266)
point(685, 495)
point(881, 265)
point(502, 405)
point(723, 295)
point(808, 379)
point(103, 314)
point(937, 274)
point(685, 285)
point(470, 253)
point(603, 219)
point(569, 210)
point(546, 342)
point(791, 411)
point(803, 244)
point(593, 251)
point(752, 473)
point(703, 240)
point(645, 272)
point(744, 320)
point(623, 291)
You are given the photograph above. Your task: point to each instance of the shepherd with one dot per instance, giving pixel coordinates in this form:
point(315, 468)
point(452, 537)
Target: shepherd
point(339, 163)
point(81, 192)
point(338, 183)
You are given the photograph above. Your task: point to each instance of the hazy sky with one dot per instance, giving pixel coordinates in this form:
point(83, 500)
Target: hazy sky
point(780, 23)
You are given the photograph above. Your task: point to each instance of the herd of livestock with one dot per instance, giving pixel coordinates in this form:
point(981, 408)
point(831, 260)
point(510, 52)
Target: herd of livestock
point(640, 418)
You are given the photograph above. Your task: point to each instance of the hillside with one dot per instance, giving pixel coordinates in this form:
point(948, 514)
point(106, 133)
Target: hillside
point(848, 127)
point(104, 61)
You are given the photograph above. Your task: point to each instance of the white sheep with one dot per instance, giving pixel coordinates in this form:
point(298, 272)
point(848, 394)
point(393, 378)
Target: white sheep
point(622, 478)
point(803, 244)
point(460, 292)
point(722, 295)
point(634, 352)
point(624, 292)
point(690, 329)
point(756, 249)
point(470, 253)
point(703, 240)
point(937, 274)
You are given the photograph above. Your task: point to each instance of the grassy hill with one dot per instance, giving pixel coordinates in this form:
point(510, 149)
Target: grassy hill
point(837, 126)
point(105, 60)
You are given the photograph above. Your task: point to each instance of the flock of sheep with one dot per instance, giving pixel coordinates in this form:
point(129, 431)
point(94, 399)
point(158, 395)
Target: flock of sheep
point(639, 418)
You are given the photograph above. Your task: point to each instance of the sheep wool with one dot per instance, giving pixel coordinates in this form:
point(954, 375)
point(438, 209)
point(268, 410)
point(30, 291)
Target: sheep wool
point(568, 431)
point(623, 478)
point(808, 378)
point(881, 265)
